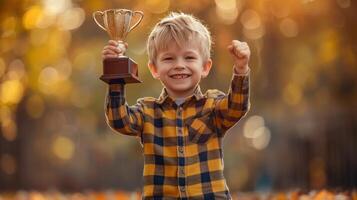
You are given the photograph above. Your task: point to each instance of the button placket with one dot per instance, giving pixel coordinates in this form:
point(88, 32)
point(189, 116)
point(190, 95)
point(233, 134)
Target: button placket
point(180, 133)
point(181, 169)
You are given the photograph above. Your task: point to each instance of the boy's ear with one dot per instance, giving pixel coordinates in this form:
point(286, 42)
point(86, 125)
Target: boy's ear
point(206, 68)
point(153, 70)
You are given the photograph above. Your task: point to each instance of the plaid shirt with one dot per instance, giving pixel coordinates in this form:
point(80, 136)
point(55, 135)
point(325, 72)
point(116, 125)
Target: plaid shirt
point(183, 156)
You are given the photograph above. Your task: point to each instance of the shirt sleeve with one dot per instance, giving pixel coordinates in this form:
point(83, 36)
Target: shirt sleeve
point(230, 108)
point(122, 118)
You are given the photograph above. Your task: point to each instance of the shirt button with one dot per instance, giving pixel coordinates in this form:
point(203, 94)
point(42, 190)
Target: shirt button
point(181, 149)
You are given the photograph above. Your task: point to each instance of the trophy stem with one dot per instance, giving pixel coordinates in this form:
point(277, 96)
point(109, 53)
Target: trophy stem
point(117, 24)
point(121, 46)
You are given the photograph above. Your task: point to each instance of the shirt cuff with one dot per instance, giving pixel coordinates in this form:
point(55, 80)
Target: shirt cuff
point(241, 74)
point(116, 89)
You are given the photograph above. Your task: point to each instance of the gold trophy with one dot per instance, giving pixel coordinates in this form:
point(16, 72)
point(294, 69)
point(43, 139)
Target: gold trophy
point(117, 23)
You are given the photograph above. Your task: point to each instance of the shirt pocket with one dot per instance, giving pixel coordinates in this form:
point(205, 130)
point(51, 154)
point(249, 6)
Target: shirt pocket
point(200, 128)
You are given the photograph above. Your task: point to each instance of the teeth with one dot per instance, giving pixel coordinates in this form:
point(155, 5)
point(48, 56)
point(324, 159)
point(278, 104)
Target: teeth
point(180, 76)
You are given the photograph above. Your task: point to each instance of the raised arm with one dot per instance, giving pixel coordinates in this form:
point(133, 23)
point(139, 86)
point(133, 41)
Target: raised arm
point(230, 108)
point(122, 118)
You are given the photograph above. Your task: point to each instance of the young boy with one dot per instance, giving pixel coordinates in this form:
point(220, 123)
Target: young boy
point(182, 130)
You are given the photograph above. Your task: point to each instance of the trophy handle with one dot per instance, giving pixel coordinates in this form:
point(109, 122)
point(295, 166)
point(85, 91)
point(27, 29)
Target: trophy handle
point(95, 14)
point(137, 23)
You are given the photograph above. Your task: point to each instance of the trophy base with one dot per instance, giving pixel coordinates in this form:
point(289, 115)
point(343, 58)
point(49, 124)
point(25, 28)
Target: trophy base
point(120, 70)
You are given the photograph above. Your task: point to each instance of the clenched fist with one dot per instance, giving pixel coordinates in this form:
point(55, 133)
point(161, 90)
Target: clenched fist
point(241, 53)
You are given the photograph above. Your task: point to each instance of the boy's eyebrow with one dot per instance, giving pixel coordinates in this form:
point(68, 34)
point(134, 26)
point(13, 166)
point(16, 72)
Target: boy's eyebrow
point(166, 54)
point(171, 53)
point(191, 51)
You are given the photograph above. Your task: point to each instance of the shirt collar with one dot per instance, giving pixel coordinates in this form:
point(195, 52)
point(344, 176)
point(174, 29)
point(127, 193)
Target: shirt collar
point(165, 96)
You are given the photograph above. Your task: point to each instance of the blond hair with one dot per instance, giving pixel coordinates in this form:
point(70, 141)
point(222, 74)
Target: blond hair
point(180, 28)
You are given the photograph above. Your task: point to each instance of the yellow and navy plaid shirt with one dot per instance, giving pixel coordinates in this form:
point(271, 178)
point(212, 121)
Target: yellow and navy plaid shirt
point(182, 144)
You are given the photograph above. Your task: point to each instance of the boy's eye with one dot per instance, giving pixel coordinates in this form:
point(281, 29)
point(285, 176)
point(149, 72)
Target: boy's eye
point(190, 57)
point(168, 58)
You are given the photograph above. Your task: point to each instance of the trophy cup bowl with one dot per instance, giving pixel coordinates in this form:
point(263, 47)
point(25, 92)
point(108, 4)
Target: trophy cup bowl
point(117, 23)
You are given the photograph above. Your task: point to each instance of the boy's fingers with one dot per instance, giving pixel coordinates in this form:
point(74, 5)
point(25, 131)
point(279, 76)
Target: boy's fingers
point(243, 52)
point(242, 56)
point(241, 49)
point(109, 52)
point(246, 51)
point(240, 45)
point(236, 43)
point(113, 48)
point(230, 49)
point(109, 56)
point(113, 42)
point(234, 54)
point(238, 53)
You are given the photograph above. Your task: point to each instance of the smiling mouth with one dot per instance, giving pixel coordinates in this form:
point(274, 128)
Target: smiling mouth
point(180, 76)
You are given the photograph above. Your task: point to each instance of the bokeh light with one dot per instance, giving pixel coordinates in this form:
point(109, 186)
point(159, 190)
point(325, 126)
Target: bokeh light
point(255, 131)
point(56, 6)
point(227, 11)
point(250, 19)
point(32, 17)
point(252, 24)
point(63, 148)
point(261, 138)
point(9, 129)
point(289, 28)
point(71, 19)
point(11, 91)
point(251, 125)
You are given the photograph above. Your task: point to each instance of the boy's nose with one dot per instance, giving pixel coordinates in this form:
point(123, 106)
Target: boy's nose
point(179, 67)
point(180, 64)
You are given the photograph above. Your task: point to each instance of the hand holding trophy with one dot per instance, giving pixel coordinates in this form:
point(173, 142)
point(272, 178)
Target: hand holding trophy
point(117, 23)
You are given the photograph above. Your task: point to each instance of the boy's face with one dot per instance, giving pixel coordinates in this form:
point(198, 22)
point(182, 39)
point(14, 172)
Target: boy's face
point(180, 69)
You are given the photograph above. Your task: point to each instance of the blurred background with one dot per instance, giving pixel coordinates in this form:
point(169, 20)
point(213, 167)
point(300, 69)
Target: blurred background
point(301, 131)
